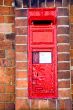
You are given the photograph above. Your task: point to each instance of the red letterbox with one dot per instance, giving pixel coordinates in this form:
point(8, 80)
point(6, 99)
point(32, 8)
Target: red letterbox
point(42, 53)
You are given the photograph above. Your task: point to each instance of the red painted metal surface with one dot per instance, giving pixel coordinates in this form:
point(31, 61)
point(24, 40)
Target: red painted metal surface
point(42, 73)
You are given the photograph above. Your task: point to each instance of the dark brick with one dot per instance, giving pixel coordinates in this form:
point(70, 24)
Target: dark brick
point(63, 12)
point(63, 21)
point(9, 106)
point(65, 3)
point(64, 75)
point(21, 13)
point(63, 30)
point(10, 37)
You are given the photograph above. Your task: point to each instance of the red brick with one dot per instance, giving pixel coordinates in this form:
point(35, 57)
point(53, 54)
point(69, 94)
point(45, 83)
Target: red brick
point(64, 84)
point(4, 10)
point(21, 48)
point(63, 57)
point(63, 48)
point(8, 3)
point(21, 93)
point(22, 104)
point(21, 22)
point(21, 30)
point(1, 19)
point(21, 65)
point(10, 89)
point(9, 106)
point(21, 74)
point(9, 19)
point(2, 88)
point(21, 83)
point(21, 56)
point(63, 39)
point(64, 93)
point(1, 2)
point(12, 98)
point(21, 39)
point(64, 75)
point(63, 66)
point(4, 97)
point(2, 53)
point(5, 45)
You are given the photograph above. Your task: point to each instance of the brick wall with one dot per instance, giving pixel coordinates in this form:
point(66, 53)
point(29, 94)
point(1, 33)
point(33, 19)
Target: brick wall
point(7, 55)
point(63, 101)
point(71, 46)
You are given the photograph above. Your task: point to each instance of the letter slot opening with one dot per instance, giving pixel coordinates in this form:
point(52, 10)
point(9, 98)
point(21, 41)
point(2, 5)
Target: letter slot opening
point(42, 22)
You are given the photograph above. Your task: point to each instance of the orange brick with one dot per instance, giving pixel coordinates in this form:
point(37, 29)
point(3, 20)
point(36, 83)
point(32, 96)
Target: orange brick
point(12, 97)
point(71, 53)
point(43, 104)
point(8, 2)
point(9, 19)
point(64, 84)
point(2, 106)
point(34, 104)
point(22, 104)
point(1, 19)
point(21, 48)
point(64, 93)
point(21, 74)
point(21, 93)
point(10, 89)
point(21, 65)
point(21, 83)
point(21, 56)
point(2, 88)
point(10, 106)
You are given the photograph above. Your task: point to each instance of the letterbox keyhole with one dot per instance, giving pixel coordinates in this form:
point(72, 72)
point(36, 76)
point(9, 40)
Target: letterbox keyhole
point(42, 22)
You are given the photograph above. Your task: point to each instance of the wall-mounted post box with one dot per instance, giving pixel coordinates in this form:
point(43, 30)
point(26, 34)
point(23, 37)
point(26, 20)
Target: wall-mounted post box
point(42, 53)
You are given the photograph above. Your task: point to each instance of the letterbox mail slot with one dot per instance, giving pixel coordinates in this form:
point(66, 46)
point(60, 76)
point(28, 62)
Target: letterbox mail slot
point(42, 53)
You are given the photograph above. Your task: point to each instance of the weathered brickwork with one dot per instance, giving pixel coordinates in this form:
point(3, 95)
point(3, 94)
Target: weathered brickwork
point(7, 56)
point(71, 46)
point(63, 102)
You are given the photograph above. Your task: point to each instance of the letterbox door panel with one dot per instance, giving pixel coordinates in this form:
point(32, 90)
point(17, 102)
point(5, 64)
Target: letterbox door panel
point(43, 35)
point(42, 53)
